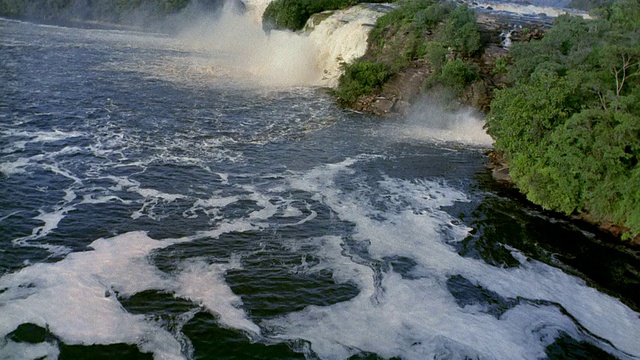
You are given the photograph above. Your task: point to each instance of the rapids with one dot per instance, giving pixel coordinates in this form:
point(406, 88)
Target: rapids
point(202, 196)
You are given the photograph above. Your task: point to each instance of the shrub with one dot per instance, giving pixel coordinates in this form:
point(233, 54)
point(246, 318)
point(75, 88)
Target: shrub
point(361, 78)
point(460, 31)
point(454, 75)
point(436, 54)
point(458, 73)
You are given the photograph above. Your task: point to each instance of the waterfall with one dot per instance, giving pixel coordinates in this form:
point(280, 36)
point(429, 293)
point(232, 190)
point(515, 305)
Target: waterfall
point(312, 57)
point(342, 37)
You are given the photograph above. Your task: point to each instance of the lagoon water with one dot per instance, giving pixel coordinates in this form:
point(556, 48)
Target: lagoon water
point(179, 197)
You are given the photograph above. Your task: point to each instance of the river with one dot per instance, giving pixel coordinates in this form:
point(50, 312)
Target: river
point(163, 197)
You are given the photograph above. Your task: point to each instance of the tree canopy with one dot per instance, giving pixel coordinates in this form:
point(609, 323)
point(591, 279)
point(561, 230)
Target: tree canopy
point(442, 33)
point(569, 121)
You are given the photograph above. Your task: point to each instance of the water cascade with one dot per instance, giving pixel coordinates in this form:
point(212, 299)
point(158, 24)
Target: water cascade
point(342, 37)
point(281, 58)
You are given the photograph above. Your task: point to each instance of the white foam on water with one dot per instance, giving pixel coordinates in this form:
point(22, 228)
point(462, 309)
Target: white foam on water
point(54, 168)
point(15, 167)
point(211, 207)
point(23, 350)
point(152, 198)
point(204, 284)
point(45, 136)
point(14, 147)
point(90, 199)
point(75, 298)
point(50, 221)
point(17, 145)
point(417, 316)
point(291, 211)
point(262, 200)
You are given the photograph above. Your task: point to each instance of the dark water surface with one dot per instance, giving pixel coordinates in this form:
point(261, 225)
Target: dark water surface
point(152, 205)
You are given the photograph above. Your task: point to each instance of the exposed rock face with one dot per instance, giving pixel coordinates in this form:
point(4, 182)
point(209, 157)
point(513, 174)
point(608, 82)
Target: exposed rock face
point(499, 168)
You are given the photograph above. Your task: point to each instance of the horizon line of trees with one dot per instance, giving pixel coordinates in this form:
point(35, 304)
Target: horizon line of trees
point(112, 11)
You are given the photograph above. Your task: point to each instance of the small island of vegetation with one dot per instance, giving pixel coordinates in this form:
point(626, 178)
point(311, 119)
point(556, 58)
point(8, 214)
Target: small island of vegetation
point(442, 33)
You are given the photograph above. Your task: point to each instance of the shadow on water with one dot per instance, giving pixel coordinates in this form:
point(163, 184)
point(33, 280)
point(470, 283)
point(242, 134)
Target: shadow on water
point(33, 334)
point(504, 220)
point(206, 338)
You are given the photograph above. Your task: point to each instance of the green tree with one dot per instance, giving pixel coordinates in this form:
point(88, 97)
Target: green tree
point(456, 74)
point(569, 124)
point(361, 78)
point(460, 31)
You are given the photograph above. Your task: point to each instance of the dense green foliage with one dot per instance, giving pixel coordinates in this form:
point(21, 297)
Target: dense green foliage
point(293, 14)
point(441, 33)
point(569, 124)
point(362, 78)
point(117, 11)
point(455, 75)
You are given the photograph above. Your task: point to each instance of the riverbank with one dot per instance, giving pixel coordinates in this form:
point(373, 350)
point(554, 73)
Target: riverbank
point(415, 79)
point(500, 172)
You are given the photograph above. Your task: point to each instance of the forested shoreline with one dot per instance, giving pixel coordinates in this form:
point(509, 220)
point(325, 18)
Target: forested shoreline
point(563, 108)
point(568, 123)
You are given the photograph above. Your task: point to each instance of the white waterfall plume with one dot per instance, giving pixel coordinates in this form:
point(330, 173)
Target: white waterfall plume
point(236, 46)
point(342, 38)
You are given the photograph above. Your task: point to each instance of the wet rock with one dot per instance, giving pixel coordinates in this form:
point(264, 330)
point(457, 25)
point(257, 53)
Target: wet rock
point(499, 168)
point(382, 106)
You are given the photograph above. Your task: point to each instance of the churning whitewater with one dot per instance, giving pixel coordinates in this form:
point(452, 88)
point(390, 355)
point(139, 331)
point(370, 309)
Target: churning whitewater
point(202, 196)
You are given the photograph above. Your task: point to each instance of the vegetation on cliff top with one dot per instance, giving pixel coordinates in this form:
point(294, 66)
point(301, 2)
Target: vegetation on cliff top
point(569, 121)
point(442, 33)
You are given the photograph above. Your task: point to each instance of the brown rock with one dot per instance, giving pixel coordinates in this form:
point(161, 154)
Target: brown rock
point(382, 106)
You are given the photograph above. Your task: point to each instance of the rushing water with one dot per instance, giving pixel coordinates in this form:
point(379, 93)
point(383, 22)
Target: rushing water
point(159, 198)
